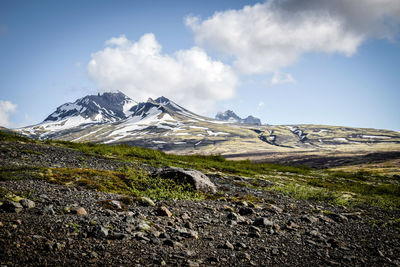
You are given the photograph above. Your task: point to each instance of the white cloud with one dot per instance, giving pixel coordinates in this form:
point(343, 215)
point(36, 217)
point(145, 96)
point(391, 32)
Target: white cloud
point(267, 37)
point(281, 78)
point(6, 107)
point(141, 70)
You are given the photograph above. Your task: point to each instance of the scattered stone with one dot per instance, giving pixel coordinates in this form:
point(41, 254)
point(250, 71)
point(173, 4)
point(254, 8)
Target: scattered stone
point(246, 211)
point(115, 204)
point(171, 243)
point(78, 211)
point(163, 211)
point(309, 219)
point(185, 217)
point(191, 263)
point(339, 218)
point(146, 202)
point(100, 231)
point(245, 256)
point(264, 222)
point(228, 245)
point(120, 236)
point(254, 229)
point(144, 226)
point(275, 251)
point(188, 225)
point(193, 177)
point(27, 203)
point(59, 246)
point(48, 210)
point(188, 233)
point(49, 245)
point(292, 226)
point(240, 245)
point(11, 206)
point(273, 208)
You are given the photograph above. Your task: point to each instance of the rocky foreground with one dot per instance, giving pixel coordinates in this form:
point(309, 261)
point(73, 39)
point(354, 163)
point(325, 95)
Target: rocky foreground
point(52, 224)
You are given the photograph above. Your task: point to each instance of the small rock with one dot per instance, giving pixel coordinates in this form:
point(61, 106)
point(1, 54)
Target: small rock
point(140, 236)
point(315, 233)
point(191, 263)
point(59, 246)
point(246, 211)
point(48, 210)
point(188, 225)
point(78, 211)
point(274, 208)
point(228, 245)
point(245, 256)
point(116, 204)
point(309, 218)
point(49, 245)
point(93, 254)
point(264, 222)
point(292, 226)
point(145, 201)
point(27, 203)
point(255, 234)
point(188, 233)
point(120, 236)
point(11, 206)
point(240, 245)
point(165, 235)
point(100, 231)
point(254, 229)
point(144, 226)
point(163, 211)
point(185, 217)
point(171, 243)
point(339, 218)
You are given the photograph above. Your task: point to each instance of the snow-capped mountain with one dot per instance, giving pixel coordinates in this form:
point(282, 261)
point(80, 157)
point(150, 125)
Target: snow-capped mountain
point(101, 108)
point(114, 118)
point(231, 116)
point(116, 109)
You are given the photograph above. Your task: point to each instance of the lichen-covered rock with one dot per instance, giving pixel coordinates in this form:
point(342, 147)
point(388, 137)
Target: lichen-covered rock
point(195, 178)
point(27, 203)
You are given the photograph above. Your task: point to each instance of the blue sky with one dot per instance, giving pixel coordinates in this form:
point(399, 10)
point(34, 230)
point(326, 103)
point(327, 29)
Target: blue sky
point(264, 60)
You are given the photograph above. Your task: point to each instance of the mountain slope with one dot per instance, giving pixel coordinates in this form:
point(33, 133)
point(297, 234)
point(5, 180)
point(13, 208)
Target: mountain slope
point(165, 125)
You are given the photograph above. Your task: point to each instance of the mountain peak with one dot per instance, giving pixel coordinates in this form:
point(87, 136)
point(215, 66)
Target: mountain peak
point(231, 116)
point(162, 100)
point(100, 108)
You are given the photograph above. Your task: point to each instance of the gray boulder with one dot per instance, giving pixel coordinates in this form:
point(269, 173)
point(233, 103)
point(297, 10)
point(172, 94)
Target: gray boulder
point(195, 178)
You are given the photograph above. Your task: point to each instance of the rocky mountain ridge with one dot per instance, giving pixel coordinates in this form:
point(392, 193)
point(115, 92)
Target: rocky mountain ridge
point(101, 108)
point(231, 116)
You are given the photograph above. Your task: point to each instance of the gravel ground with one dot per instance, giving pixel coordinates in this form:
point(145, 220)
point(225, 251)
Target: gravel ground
point(72, 226)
